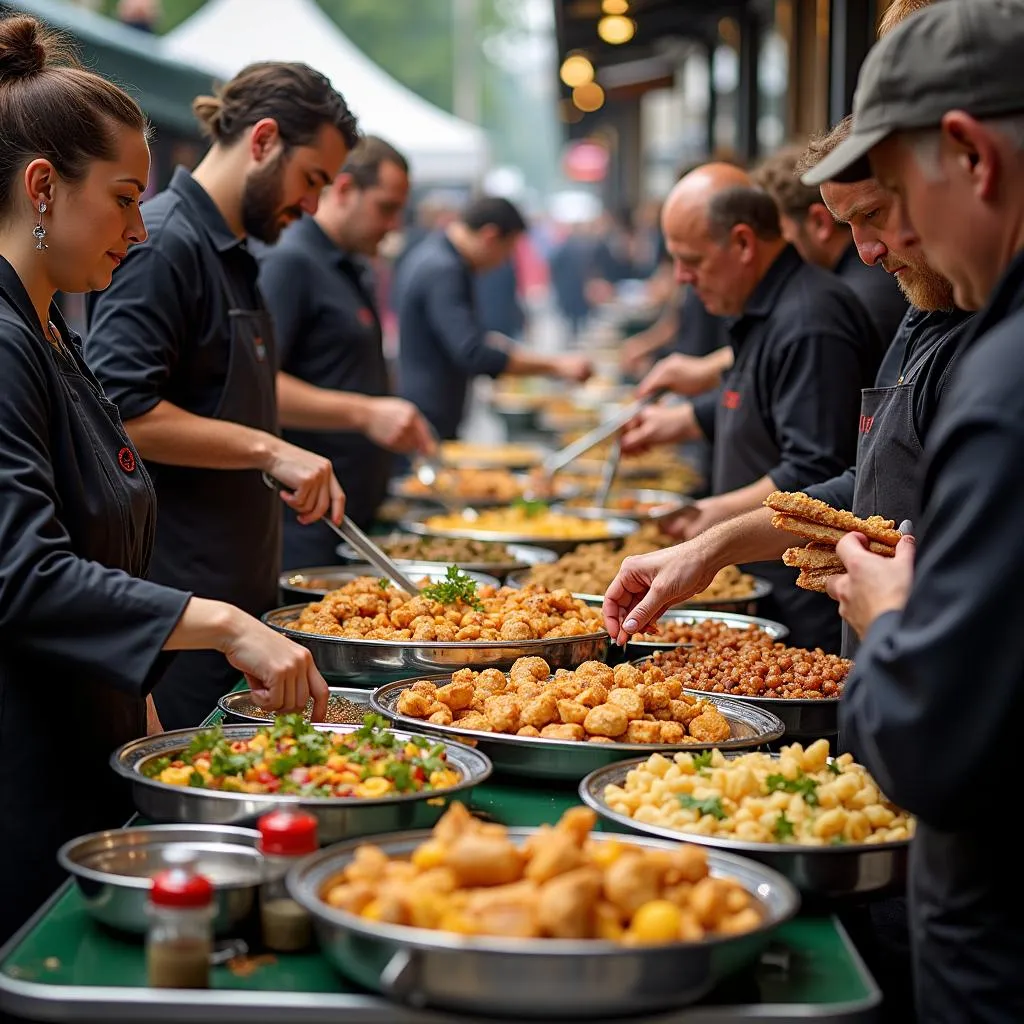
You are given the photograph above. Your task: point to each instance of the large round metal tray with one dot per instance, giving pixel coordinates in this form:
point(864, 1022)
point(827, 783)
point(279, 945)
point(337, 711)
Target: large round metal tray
point(665, 504)
point(372, 662)
point(536, 757)
point(338, 817)
point(739, 607)
point(526, 979)
point(617, 529)
point(519, 556)
point(639, 648)
point(399, 487)
point(513, 456)
point(860, 870)
point(238, 706)
point(338, 575)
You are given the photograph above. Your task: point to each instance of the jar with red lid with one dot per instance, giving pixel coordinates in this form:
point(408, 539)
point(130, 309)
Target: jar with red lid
point(179, 940)
point(286, 836)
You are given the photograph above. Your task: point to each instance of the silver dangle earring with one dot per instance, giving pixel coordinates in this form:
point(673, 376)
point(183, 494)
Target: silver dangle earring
point(39, 231)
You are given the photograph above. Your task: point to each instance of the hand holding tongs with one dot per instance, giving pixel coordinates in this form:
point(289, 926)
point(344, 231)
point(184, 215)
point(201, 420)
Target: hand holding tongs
point(611, 467)
point(348, 531)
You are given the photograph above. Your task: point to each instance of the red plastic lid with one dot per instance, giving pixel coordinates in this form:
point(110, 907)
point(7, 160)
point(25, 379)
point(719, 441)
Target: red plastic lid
point(179, 887)
point(288, 833)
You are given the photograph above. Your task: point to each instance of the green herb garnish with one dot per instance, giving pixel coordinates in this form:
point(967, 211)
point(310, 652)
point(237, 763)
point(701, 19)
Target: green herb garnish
point(455, 587)
point(530, 507)
point(383, 583)
point(837, 841)
point(400, 773)
point(783, 828)
point(154, 768)
point(204, 741)
point(225, 762)
point(709, 805)
point(802, 784)
point(833, 767)
point(702, 760)
point(196, 780)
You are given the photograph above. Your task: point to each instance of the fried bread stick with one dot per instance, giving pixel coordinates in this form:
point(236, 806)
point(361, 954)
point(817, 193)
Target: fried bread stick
point(815, 579)
point(824, 534)
point(800, 505)
point(813, 558)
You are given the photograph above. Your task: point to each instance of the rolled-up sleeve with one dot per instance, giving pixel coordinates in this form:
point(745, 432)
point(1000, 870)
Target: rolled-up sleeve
point(927, 703)
point(101, 624)
point(449, 310)
point(815, 409)
point(136, 328)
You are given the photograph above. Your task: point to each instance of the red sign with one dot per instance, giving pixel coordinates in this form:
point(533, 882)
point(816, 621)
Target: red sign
point(585, 161)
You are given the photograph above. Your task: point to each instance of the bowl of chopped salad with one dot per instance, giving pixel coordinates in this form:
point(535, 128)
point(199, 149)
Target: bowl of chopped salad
point(356, 779)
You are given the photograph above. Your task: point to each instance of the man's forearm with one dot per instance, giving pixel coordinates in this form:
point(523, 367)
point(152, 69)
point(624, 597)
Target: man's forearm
point(522, 362)
point(749, 537)
point(304, 406)
point(169, 434)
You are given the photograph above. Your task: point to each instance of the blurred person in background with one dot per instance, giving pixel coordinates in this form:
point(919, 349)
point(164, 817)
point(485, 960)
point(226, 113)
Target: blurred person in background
point(786, 416)
point(442, 343)
point(498, 300)
point(809, 226)
point(332, 387)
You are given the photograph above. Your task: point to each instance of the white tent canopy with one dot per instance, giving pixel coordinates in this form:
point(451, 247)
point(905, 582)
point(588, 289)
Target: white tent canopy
point(225, 35)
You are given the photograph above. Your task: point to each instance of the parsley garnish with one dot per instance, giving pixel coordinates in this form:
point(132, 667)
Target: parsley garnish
point(837, 841)
point(702, 760)
point(223, 762)
point(383, 583)
point(154, 768)
point(530, 507)
point(195, 780)
point(709, 805)
point(802, 784)
point(204, 741)
point(400, 773)
point(455, 587)
point(783, 828)
point(833, 767)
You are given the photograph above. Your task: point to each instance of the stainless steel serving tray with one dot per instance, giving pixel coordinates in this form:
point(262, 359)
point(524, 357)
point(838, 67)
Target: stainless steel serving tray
point(536, 757)
point(235, 705)
point(399, 487)
point(519, 556)
point(339, 575)
point(513, 456)
point(114, 869)
point(372, 662)
point(521, 978)
point(639, 648)
point(617, 529)
point(665, 504)
point(864, 870)
point(338, 817)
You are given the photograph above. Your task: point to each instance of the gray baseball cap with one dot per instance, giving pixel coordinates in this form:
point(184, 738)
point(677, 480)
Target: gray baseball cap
point(955, 55)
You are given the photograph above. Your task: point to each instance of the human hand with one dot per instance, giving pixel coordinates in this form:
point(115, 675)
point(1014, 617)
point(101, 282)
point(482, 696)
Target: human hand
point(313, 490)
point(280, 673)
point(658, 424)
point(574, 368)
point(646, 586)
point(684, 375)
point(153, 724)
point(635, 356)
point(397, 425)
point(873, 584)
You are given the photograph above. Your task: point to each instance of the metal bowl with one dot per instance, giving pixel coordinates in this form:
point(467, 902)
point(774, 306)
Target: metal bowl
point(565, 489)
point(664, 505)
point(290, 583)
point(113, 870)
point(645, 648)
point(523, 978)
point(372, 662)
point(238, 705)
point(518, 557)
point(536, 757)
point(617, 529)
point(864, 870)
point(338, 817)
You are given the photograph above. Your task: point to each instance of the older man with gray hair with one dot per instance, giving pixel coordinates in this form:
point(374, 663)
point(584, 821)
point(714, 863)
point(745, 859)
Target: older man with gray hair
point(933, 704)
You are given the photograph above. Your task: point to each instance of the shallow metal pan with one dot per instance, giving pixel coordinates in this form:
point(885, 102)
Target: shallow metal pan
point(399, 487)
point(860, 871)
point(536, 757)
point(639, 648)
point(372, 662)
point(526, 979)
point(238, 706)
point(288, 583)
point(664, 504)
point(338, 817)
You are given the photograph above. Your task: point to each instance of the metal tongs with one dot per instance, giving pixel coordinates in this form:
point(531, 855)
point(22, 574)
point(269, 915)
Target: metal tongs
point(608, 472)
point(348, 531)
point(557, 461)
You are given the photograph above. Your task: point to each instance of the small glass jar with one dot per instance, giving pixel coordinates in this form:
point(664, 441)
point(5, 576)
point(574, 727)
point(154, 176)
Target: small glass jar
point(285, 837)
point(179, 940)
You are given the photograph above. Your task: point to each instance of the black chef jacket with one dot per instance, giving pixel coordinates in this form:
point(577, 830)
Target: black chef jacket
point(442, 343)
point(933, 702)
point(934, 339)
point(328, 334)
point(80, 635)
point(789, 406)
point(877, 290)
point(183, 321)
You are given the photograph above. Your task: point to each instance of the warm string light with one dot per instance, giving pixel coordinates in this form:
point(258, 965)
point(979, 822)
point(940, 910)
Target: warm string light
point(616, 29)
point(588, 97)
point(615, 6)
point(576, 70)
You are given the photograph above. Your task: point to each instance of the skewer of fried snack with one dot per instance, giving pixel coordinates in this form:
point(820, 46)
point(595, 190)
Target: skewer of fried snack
point(826, 534)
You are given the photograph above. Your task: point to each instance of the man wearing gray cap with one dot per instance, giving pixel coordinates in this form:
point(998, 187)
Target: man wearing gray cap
point(934, 699)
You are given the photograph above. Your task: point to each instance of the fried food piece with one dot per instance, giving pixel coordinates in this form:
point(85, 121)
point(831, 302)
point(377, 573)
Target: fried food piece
point(606, 720)
point(426, 687)
point(593, 695)
point(812, 558)
point(630, 701)
point(540, 711)
point(631, 881)
point(671, 732)
point(440, 715)
point(529, 668)
point(572, 712)
point(566, 731)
point(596, 672)
point(657, 696)
point(711, 726)
point(816, 579)
point(456, 695)
point(823, 534)
point(643, 732)
point(578, 822)
point(528, 730)
point(796, 503)
point(628, 676)
point(473, 720)
point(351, 896)
point(600, 739)
point(685, 710)
point(455, 822)
point(415, 705)
point(553, 853)
point(566, 904)
point(481, 859)
point(503, 713)
point(491, 679)
point(510, 910)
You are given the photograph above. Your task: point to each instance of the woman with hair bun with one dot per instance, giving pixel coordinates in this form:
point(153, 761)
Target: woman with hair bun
point(83, 638)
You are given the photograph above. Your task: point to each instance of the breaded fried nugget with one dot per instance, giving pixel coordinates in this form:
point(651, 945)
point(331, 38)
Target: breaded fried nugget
point(562, 732)
point(710, 727)
point(629, 700)
point(413, 704)
point(571, 712)
point(456, 695)
point(606, 720)
point(503, 713)
point(539, 711)
point(628, 676)
point(643, 732)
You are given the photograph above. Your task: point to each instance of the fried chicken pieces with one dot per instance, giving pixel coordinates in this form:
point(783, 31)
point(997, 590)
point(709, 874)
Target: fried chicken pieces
point(594, 703)
point(824, 526)
point(561, 883)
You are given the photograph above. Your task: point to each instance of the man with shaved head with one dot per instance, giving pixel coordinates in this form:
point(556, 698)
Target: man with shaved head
point(786, 415)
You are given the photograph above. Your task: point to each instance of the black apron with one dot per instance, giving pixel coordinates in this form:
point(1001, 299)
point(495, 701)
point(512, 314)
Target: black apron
point(744, 450)
point(109, 518)
point(219, 531)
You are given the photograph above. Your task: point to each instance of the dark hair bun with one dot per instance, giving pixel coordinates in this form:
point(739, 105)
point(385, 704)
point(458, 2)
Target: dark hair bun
point(208, 111)
point(25, 47)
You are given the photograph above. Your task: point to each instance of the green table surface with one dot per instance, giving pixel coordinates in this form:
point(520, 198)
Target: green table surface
point(65, 966)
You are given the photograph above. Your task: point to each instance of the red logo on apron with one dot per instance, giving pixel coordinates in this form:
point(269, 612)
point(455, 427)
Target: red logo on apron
point(866, 422)
point(126, 460)
point(731, 399)
point(365, 317)
point(261, 349)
